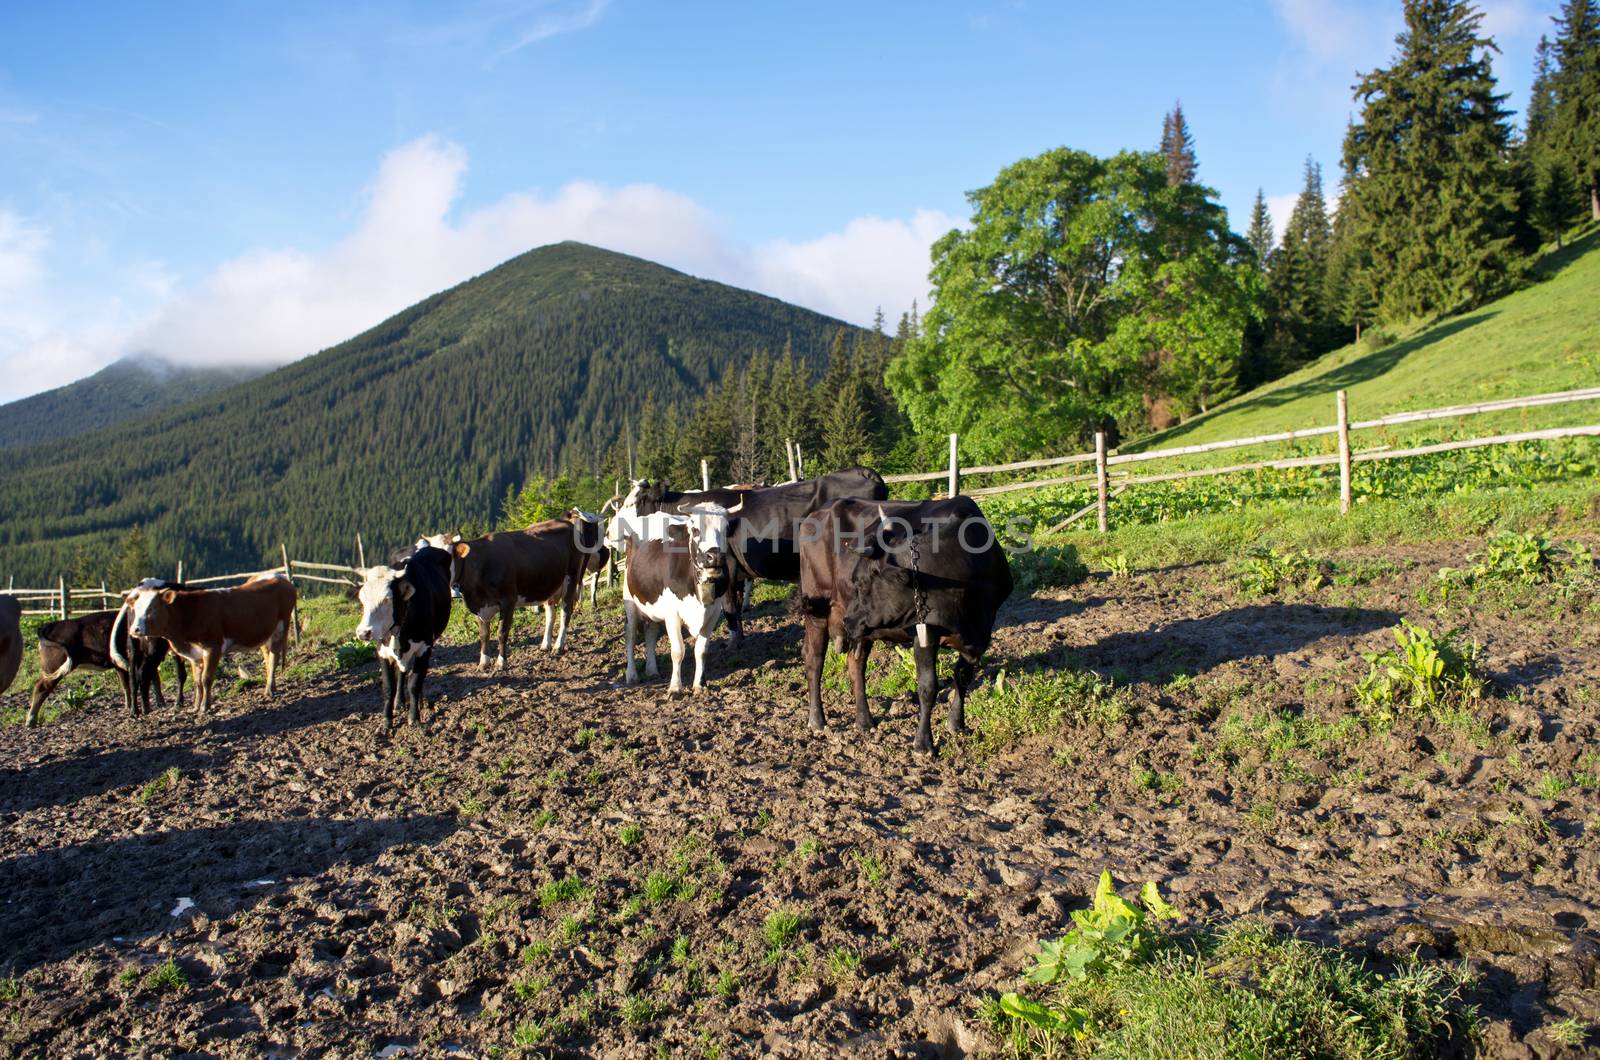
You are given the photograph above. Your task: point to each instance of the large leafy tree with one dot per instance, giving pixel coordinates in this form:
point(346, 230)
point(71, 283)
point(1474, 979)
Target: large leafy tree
point(1428, 184)
point(1575, 124)
point(1051, 308)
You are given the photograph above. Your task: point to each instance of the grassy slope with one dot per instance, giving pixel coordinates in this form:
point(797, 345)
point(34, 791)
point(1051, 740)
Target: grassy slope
point(1540, 339)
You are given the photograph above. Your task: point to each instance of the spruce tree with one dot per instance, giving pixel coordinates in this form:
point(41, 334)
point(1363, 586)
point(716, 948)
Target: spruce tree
point(1575, 125)
point(1301, 325)
point(1177, 147)
point(1428, 181)
point(845, 442)
point(1541, 98)
point(1260, 235)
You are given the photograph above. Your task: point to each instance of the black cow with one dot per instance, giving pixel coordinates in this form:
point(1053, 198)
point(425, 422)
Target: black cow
point(543, 564)
point(86, 643)
point(931, 573)
point(763, 536)
point(10, 640)
point(404, 609)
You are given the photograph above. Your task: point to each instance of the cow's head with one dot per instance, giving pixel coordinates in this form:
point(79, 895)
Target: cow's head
point(384, 593)
point(148, 606)
point(588, 534)
point(444, 543)
point(708, 549)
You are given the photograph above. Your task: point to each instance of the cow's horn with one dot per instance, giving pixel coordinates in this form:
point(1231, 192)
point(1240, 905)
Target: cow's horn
point(736, 507)
point(883, 516)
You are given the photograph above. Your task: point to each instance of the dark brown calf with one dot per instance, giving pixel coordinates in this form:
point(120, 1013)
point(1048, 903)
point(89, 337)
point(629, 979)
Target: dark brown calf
point(203, 625)
point(96, 641)
point(10, 640)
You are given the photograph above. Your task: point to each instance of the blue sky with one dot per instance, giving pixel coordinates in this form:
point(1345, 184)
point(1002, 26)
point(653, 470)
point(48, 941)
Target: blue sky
point(230, 181)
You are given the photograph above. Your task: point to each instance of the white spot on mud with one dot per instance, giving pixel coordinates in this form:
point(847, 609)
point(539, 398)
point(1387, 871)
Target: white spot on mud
point(183, 906)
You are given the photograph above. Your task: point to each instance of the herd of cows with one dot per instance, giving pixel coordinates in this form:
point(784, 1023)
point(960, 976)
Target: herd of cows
point(928, 573)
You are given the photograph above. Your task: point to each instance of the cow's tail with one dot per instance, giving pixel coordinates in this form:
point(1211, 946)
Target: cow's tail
point(66, 661)
point(812, 606)
point(115, 648)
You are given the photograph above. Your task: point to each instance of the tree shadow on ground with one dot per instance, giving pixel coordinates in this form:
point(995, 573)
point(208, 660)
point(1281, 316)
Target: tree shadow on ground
point(70, 898)
point(1195, 645)
point(1360, 370)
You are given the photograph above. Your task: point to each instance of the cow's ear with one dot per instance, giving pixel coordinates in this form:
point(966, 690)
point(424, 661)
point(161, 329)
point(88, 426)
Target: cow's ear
point(168, 596)
point(406, 588)
point(461, 549)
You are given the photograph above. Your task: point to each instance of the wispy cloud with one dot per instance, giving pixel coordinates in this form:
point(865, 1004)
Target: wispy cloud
point(276, 304)
point(554, 23)
point(503, 27)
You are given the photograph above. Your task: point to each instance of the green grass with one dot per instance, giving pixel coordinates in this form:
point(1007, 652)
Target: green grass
point(1541, 339)
point(167, 976)
point(1011, 708)
point(568, 889)
point(779, 931)
point(165, 782)
point(1276, 996)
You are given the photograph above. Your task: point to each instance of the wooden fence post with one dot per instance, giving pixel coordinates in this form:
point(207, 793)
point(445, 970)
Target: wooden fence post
point(788, 451)
point(361, 553)
point(1343, 404)
point(1100, 479)
point(61, 585)
point(799, 461)
point(955, 469)
point(179, 579)
point(294, 616)
point(705, 474)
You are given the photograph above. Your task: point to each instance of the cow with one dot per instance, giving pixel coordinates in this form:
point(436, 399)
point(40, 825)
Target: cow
point(10, 640)
point(98, 641)
point(203, 625)
point(928, 572)
point(140, 657)
point(763, 538)
point(678, 574)
point(404, 609)
point(543, 564)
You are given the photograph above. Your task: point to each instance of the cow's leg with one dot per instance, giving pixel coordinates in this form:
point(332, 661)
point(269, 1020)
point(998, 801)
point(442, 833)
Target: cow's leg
point(733, 610)
point(652, 634)
point(632, 623)
point(41, 691)
point(675, 639)
point(179, 669)
point(389, 675)
point(927, 690)
point(507, 613)
point(700, 643)
point(483, 636)
point(569, 603)
point(269, 664)
point(958, 699)
point(210, 663)
point(815, 652)
point(418, 674)
point(126, 678)
point(858, 682)
point(549, 613)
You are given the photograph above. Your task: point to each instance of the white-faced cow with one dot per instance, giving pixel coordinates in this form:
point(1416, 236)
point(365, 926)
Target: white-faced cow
point(404, 609)
point(10, 640)
point(543, 564)
point(100, 640)
point(763, 540)
point(930, 572)
point(203, 625)
point(677, 575)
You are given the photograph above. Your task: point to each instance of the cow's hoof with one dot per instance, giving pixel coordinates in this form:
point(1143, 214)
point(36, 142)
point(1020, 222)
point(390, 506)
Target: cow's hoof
point(499, 664)
point(864, 724)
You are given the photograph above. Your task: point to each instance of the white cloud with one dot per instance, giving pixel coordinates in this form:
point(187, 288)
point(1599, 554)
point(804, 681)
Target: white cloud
point(275, 304)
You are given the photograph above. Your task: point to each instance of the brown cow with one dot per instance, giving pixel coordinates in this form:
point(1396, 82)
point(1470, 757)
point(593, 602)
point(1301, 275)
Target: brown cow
point(10, 640)
point(203, 625)
point(543, 564)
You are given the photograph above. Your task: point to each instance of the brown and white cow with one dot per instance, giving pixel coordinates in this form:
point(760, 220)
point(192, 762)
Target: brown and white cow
point(543, 564)
point(203, 625)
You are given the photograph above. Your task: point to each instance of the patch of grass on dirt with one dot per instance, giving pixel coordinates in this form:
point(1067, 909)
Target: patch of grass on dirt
point(1048, 567)
point(779, 931)
point(167, 976)
point(165, 782)
point(1422, 671)
point(629, 834)
point(1269, 571)
point(1121, 985)
point(570, 888)
point(1013, 708)
point(870, 867)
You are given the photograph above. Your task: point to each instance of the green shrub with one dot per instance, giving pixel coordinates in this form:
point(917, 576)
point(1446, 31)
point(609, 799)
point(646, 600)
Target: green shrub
point(353, 653)
point(1266, 571)
point(1047, 567)
point(1422, 671)
point(1010, 709)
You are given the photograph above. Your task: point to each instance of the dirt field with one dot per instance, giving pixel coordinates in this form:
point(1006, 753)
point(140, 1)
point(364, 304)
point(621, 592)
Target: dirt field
point(559, 864)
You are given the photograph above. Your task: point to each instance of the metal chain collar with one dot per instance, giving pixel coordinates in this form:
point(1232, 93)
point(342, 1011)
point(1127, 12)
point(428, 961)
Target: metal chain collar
point(921, 598)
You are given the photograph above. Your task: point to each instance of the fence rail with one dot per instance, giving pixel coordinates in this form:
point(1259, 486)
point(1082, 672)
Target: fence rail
point(1105, 459)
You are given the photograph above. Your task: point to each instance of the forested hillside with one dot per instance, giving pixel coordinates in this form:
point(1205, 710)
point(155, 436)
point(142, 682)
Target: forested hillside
point(422, 422)
point(124, 390)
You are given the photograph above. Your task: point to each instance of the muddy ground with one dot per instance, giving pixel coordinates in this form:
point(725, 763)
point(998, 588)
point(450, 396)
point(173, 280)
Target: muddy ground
point(357, 895)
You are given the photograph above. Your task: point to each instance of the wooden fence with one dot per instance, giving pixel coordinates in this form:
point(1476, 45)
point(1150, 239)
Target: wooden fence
point(1110, 483)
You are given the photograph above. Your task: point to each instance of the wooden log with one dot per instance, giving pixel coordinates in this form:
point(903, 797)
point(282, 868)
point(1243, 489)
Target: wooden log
point(361, 553)
point(1100, 480)
point(788, 451)
point(329, 581)
point(917, 476)
point(1561, 397)
point(65, 606)
point(705, 474)
point(294, 615)
point(341, 568)
point(1085, 510)
point(1033, 484)
point(954, 485)
point(1342, 411)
